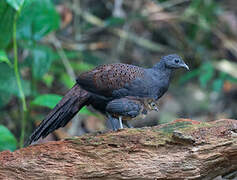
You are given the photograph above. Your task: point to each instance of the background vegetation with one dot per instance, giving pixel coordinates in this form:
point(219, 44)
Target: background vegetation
point(44, 44)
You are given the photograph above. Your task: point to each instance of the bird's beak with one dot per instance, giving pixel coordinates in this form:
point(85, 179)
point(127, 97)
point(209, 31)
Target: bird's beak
point(185, 66)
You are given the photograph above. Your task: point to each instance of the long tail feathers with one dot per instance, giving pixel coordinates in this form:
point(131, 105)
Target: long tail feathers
point(62, 113)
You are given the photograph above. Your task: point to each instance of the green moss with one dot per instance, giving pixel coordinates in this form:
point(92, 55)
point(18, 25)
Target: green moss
point(195, 126)
point(145, 136)
point(178, 125)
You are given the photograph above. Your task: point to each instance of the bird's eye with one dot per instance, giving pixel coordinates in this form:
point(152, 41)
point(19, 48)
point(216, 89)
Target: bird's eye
point(176, 60)
point(153, 104)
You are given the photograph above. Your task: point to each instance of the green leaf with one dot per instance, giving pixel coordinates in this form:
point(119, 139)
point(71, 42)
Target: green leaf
point(8, 81)
point(16, 4)
point(85, 111)
point(207, 72)
point(218, 84)
point(82, 66)
point(4, 98)
point(47, 100)
point(50, 101)
point(48, 79)
point(69, 55)
point(6, 23)
point(114, 21)
point(189, 75)
point(4, 58)
point(42, 59)
point(66, 80)
point(37, 19)
point(7, 139)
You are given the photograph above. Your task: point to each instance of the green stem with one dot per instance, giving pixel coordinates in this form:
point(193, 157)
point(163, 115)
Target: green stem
point(16, 70)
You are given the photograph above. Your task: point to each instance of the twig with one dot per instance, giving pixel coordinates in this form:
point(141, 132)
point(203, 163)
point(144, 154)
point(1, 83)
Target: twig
point(169, 4)
point(18, 80)
point(63, 56)
point(76, 21)
point(228, 43)
point(118, 11)
point(121, 33)
point(69, 70)
point(227, 67)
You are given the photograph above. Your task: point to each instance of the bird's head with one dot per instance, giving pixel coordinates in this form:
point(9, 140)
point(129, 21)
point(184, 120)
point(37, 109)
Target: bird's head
point(151, 104)
point(173, 61)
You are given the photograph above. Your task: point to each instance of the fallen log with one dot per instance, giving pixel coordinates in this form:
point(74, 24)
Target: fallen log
point(183, 149)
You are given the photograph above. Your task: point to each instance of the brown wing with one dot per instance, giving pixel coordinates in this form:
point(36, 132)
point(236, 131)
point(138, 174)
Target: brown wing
point(104, 79)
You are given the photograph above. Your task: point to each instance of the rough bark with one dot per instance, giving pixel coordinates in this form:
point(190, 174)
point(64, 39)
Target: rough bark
point(183, 149)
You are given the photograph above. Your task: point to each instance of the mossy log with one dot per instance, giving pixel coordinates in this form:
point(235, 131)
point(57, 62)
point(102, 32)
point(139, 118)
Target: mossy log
point(183, 149)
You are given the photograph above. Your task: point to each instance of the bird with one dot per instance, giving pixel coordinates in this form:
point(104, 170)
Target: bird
point(130, 107)
point(105, 83)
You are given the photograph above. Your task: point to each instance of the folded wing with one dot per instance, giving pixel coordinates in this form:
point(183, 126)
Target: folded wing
point(104, 79)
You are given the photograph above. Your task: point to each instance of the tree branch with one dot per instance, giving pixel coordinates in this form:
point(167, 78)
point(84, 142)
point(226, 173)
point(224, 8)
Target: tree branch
point(183, 149)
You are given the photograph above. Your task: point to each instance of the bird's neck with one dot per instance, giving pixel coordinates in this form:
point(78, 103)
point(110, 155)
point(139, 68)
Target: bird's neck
point(161, 68)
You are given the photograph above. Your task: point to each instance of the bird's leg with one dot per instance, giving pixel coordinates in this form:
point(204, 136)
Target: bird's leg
point(127, 124)
point(120, 122)
point(114, 124)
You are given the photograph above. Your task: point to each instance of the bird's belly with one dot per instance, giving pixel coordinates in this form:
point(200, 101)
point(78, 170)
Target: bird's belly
point(140, 116)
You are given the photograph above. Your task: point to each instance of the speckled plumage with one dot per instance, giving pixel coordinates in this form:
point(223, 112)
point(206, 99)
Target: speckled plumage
point(105, 83)
point(105, 79)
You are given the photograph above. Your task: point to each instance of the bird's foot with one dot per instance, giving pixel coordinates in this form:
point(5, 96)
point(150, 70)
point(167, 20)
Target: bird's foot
point(113, 123)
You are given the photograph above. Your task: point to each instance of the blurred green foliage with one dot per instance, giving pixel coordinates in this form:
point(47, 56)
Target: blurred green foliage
point(98, 35)
point(47, 100)
point(6, 19)
point(35, 20)
point(7, 139)
point(4, 58)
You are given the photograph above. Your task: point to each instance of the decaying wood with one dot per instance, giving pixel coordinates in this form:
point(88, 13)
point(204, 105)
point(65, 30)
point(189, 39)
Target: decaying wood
point(183, 149)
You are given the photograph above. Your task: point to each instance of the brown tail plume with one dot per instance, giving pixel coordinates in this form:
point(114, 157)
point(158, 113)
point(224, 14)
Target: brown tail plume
point(62, 113)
